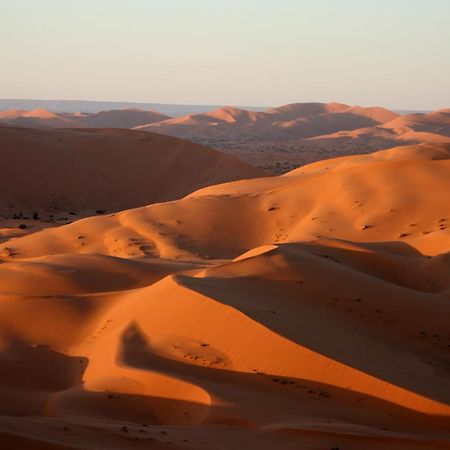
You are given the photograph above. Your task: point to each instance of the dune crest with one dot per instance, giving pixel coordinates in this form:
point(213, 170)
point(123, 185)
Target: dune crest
point(280, 139)
point(42, 118)
point(400, 194)
point(309, 309)
point(103, 170)
point(282, 123)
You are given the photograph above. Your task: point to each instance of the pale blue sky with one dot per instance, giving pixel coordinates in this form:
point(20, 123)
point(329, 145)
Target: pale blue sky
point(394, 53)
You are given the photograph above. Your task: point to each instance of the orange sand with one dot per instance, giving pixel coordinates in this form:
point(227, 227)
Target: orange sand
point(306, 311)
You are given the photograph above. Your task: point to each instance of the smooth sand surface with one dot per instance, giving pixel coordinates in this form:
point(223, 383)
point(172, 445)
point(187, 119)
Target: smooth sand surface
point(305, 311)
point(105, 170)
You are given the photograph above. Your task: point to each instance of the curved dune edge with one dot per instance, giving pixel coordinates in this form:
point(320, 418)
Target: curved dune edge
point(82, 172)
point(232, 309)
point(381, 197)
point(269, 352)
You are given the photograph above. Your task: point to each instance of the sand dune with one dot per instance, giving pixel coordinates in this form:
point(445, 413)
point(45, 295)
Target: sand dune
point(36, 118)
point(49, 171)
point(298, 110)
point(120, 118)
point(433, 127)
point(303, 311)
point(283, 138)
point(62, 106)
point(398, 194)
point(298, 120)
point(437, 122)
point(41, 118)
point(276, 139)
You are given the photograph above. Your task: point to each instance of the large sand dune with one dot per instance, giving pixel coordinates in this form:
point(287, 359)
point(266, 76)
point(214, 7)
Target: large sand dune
point(280, 139)
point(398, 194)
point(35, 118)
point(41, 118)
point(432, 127)
point(300, 120)
point(276, 139)
point(80, 171)
point(303, 311)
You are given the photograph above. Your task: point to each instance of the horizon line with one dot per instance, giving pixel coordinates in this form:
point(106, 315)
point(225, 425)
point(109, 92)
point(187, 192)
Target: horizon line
point(141, 102)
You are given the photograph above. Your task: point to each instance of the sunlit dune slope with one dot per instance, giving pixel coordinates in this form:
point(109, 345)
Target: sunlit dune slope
point(400, 194)
point(41, 118)
point(298, 120)
point(433, 128)
point(280, 139)
point(256, 342)
point(305, 311)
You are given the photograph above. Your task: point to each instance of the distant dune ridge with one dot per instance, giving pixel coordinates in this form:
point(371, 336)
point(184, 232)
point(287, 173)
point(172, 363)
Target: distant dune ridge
point(299, 120)
point(276, 139)
point(105, 169)
point(41, 118)
point(283, 138)
point(431, 127)
point(92, 106)
point(208, 305)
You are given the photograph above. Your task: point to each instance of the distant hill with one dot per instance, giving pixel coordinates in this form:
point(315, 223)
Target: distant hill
point(104, 169)
point(298, 120)
point(281, 139)
point(63, 106)
point(41, 118)
point(275, 139)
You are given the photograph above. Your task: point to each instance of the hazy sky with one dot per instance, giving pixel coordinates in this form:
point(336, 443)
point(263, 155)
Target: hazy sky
point(394, 53)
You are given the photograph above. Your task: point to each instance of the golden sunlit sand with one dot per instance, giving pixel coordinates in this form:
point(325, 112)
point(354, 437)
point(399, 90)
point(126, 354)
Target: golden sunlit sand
point(302, 311)
point(224, 225)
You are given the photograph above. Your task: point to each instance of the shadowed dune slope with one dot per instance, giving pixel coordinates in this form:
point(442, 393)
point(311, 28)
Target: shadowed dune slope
point(256, 343)
point(303, 311)
point(104, 169)
point(399, 194)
